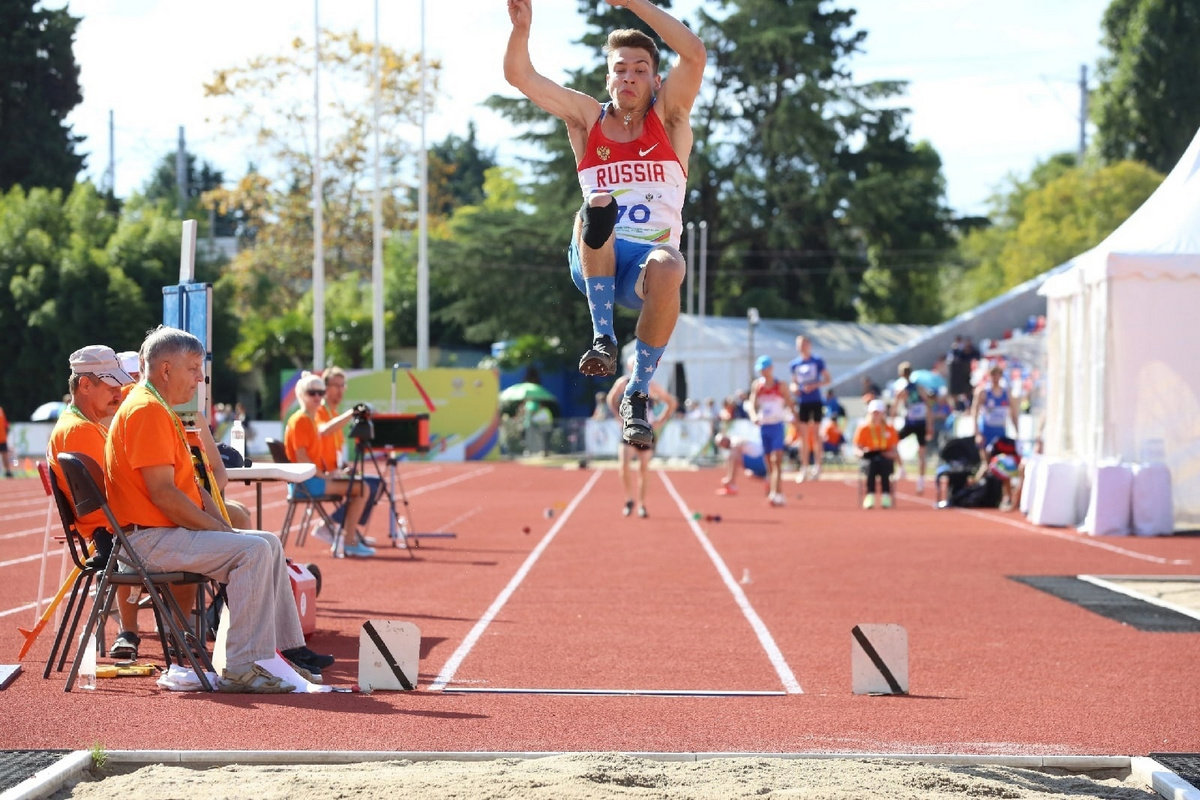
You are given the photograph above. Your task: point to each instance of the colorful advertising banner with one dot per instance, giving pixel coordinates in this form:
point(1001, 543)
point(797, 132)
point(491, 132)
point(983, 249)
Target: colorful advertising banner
point(462, 404)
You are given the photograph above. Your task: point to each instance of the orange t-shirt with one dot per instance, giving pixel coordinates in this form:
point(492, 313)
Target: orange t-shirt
point(74, 434)
point(331, 445)
point(302, 433)
point(3, 427)
point(872, 439)
point(144, 434)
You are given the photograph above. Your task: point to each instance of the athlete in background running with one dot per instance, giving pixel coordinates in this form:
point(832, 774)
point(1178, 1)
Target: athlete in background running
point(631, 154)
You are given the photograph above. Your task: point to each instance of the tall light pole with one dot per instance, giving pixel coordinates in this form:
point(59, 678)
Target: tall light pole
point(423, 235)
point(691, 265)
point(377, 224)
point(703, 266)
point(318, 270)
point(752, 321)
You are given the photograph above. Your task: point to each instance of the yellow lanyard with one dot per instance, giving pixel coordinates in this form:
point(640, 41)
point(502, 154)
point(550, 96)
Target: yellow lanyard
point(216, 491)
point(73, 409)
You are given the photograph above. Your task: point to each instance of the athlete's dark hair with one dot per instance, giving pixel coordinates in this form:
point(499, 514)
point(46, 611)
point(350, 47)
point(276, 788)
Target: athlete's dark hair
point(631, 37)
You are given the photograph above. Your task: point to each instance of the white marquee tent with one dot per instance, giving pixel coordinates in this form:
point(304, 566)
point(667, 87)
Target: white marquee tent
point(1123, 367)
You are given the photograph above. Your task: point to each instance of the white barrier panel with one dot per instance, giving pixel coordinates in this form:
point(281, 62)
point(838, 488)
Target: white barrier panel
point(1109, 512)
point(1055, 500)
point(679, 438)
point(1153, 509)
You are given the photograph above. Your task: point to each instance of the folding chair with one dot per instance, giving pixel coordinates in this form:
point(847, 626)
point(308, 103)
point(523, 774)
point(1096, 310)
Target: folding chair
point(299, 496)
point(84, 481)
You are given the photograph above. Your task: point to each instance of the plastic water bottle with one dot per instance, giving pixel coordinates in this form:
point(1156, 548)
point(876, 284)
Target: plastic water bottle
point(87, 665)
point(237, 438)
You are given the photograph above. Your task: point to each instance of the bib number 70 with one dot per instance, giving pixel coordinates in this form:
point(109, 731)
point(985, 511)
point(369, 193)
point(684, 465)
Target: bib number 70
point(638, 214)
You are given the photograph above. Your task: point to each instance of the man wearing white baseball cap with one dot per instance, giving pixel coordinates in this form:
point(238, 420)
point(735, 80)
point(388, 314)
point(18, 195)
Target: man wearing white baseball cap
point(95, 385)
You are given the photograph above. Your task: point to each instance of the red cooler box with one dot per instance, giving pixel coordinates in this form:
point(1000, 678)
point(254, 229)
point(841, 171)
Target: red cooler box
point(304, 589)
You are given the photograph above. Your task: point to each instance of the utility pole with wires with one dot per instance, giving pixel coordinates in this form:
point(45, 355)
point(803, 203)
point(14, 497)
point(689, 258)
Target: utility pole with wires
point(1083, 110)
point(181, 173)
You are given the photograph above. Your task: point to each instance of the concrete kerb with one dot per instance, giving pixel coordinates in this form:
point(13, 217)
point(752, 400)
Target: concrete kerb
point(72, 766)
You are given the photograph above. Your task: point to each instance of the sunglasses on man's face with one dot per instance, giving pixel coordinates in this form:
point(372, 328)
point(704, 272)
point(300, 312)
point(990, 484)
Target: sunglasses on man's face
point(316, 392)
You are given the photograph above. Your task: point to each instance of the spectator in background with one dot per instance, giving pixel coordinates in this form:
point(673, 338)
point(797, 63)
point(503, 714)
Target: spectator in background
point(959, 368)
point(809, 375)
point(870, 389)
point(744, 456)
point(4, 444)
point(770, 400)
point(876, 441)
point(992, 409)
point(834, 409)
point(661, 408)
point(602, 411)
point(913, 401)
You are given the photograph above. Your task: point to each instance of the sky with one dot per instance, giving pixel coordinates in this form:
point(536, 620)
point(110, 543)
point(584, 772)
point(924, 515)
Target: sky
point(993, 84)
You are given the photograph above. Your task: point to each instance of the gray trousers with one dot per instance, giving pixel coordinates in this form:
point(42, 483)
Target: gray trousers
point(262, 610)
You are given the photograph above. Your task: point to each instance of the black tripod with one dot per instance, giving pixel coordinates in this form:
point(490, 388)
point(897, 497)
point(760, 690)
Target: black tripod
point(363, 433)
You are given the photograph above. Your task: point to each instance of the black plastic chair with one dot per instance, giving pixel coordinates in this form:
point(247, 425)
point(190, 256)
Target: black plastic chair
point(299, 496)
point(84, 482)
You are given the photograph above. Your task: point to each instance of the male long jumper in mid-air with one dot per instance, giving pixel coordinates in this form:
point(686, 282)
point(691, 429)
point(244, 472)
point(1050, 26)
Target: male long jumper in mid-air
point(631, 154)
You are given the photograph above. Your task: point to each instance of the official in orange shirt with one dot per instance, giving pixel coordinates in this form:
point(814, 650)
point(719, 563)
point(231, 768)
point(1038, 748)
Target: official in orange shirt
point(302, 440)
point(97, 385)
point(330, 424)
point(4, 444)
point(174, 525)
point(876, 442)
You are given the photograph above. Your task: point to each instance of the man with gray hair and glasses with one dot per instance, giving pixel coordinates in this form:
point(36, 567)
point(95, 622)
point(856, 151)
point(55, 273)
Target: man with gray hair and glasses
point(175, 525)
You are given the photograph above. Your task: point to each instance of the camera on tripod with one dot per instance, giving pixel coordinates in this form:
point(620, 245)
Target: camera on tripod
point(363, 430)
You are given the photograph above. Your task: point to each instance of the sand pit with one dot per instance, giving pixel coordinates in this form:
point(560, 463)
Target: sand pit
point(610, 775)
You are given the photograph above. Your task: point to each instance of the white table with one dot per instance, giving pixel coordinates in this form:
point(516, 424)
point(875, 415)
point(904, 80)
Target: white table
point(270, 471)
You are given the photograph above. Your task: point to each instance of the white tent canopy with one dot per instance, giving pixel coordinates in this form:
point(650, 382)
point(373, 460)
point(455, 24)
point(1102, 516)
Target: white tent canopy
point(1123, 372)
point(717, 353)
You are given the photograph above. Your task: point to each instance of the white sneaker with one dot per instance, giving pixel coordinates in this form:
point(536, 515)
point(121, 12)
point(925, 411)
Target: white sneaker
point(777, 499)
point(920, 484)
point(324, 533)
point(800, 475)
point(816, 472)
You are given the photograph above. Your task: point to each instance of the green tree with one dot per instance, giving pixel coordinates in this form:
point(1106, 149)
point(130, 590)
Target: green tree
point(39, 85)
point(274, 268)
point(1147, 106)
point(72, 274)
point(1062, 212)
point(456, 173)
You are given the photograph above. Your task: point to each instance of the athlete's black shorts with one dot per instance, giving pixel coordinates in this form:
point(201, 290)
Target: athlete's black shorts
point(810, 411)
point(917, 429)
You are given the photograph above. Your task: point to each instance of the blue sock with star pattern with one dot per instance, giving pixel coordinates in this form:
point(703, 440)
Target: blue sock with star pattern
point(600, 293)
point(645, 361)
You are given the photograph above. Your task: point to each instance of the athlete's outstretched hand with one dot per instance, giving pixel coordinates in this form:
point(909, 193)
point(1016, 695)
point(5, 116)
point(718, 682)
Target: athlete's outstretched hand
point(618, 3)
point(521, 13)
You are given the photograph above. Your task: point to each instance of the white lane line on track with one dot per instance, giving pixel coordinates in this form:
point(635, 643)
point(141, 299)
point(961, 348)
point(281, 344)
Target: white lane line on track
point(1136, 595)
point(9, 611)
point(1051, 532)
point(790, 684)
point(22, 560)
point(622, 692)
point(464, 648)
point(22, 514)
point(19, 534)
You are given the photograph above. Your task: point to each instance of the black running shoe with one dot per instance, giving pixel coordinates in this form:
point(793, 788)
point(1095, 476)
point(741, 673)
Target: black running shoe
point(637, 430)
point(601, 360)
point(306, 658)
point(125, 646)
